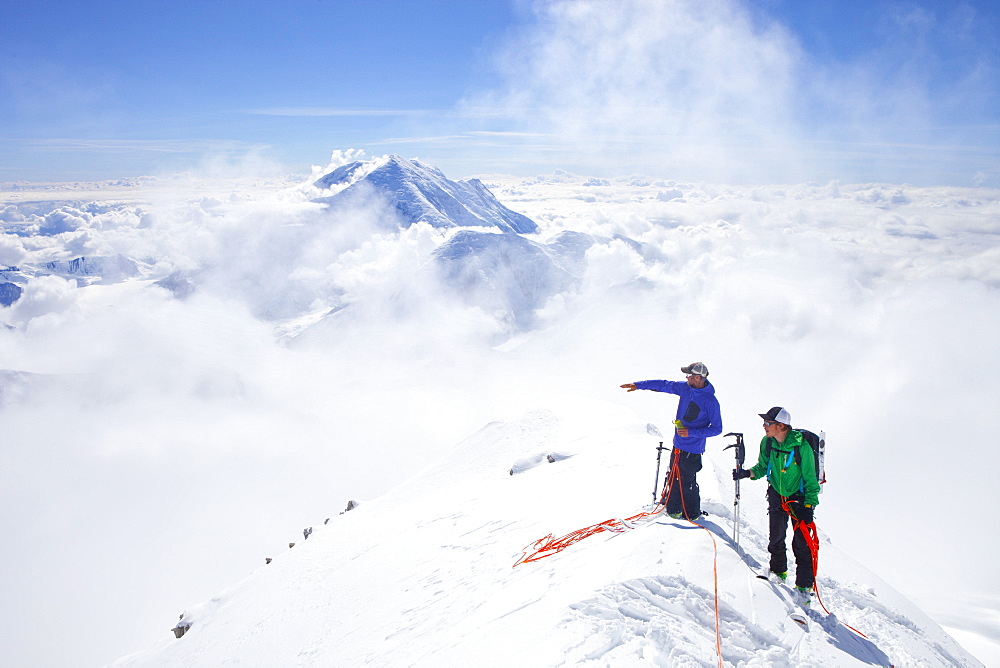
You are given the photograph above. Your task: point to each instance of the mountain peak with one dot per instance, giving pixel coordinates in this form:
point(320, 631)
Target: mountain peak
point(419, 192)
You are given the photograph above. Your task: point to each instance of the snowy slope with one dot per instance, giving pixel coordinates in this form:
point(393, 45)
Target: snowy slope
point(424, 575)
point(419, 192)
point(503, 272)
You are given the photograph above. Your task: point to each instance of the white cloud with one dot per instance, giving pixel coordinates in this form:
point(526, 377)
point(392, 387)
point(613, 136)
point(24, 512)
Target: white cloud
point(44, 296)
point(11, 251)
point(721, 90)
point(696, 86)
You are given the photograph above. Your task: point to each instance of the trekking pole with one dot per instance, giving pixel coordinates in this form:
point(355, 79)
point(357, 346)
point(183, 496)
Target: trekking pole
point(656, 480)
point(740, 458)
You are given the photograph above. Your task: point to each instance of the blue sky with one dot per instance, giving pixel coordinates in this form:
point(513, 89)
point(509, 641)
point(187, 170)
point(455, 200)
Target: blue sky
point(721, 90)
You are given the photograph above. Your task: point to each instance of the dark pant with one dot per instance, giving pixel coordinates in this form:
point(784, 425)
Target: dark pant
point(778, 520)
point(683, 495)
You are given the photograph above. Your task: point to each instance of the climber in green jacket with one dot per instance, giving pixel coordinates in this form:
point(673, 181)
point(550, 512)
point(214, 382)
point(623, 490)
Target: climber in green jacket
point(786, 460)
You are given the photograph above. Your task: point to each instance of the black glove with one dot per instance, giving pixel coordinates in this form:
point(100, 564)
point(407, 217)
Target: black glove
point(741, 473)
point(801, 512)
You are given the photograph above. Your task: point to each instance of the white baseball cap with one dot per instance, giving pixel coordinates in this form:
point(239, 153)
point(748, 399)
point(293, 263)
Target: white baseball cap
point(778, 414)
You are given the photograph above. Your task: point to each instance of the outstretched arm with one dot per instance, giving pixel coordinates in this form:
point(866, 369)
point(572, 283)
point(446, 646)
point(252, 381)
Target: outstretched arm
point(669, 386)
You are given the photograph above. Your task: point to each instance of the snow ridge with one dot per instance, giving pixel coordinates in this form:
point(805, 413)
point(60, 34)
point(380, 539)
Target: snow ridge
point(423, 576)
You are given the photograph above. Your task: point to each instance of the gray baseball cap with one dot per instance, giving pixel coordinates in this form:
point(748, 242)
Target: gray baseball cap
point(696, 368)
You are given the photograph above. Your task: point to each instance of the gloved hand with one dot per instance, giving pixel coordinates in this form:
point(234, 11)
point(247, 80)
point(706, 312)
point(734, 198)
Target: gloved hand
point(741, 473)
point(801, 512)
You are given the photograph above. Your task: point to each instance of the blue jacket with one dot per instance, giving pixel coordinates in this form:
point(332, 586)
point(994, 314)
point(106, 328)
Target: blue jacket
point(698, 410)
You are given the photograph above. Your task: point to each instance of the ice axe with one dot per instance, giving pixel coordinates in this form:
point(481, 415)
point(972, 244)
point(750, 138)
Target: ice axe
point(656, 480)
point(740, 457)
point(653, 431)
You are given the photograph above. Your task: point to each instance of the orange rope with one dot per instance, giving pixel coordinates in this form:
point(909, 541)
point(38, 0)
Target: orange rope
point(675, 471)
point(715, 580)
point(811, 536)
point(549, 545)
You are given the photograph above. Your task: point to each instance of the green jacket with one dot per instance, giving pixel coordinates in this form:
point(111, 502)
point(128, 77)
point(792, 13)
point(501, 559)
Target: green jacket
point(783, 472)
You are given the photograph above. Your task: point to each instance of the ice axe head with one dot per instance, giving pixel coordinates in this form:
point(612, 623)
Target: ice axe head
point(740, 449)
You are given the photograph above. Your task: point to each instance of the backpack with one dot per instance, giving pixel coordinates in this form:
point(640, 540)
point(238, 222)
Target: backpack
point(818, 445)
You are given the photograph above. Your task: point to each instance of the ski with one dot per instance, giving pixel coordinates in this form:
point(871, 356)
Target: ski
point(798, 609)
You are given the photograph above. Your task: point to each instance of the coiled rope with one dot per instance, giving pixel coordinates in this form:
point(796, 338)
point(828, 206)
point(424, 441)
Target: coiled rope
point(549, 545)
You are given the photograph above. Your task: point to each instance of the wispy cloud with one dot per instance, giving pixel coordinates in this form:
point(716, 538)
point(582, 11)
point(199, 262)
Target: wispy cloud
point(134, 145)
point(477, 136)
point(511, 135)
point(721, 91)
point(698, 85)
point(438, 139)
point(336, 112)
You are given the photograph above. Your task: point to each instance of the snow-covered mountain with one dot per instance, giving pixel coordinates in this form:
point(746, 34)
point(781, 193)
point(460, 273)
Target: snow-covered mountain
point(501, 272)
point(497, 270)
point(419, 192)
point(9, 293)
point(505, 273)
point(83, 270)
point(112, 269)
point(426, 576)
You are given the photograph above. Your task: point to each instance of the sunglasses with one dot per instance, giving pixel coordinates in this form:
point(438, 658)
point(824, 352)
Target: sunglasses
point(769, 423)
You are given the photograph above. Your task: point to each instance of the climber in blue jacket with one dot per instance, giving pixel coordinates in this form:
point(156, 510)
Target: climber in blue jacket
point(698, 418)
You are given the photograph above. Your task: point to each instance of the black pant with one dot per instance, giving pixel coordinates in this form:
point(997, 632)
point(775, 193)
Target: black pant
point(778, 520)
point(684, 496)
